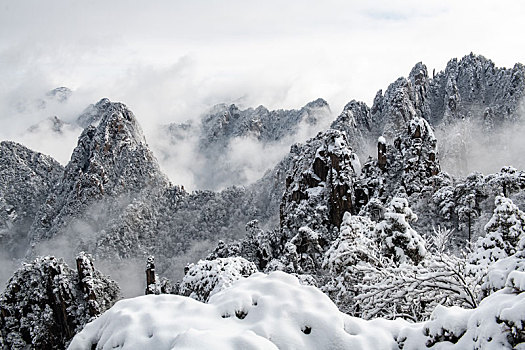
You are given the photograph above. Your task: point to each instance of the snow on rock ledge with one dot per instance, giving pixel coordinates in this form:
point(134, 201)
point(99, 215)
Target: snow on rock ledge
point(260, 312)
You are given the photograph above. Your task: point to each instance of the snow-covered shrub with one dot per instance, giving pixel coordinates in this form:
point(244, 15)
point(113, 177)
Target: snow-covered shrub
point(413, 291)
point(258, 246)
point(497, 323)
point(353, 246)
point(208, 277)
point(383, 288)
point(418, 147)
point(306, 250)
point(509, 180)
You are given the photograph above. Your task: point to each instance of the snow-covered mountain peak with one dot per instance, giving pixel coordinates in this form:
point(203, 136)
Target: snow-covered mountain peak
point(224, 122)
point(60, 94)
point(118, 125)
point(318, 103)
point(110, 160)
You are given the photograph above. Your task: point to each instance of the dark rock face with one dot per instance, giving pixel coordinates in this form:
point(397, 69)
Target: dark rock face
point(356, 122)
point(321, 174)
point(405, 168)
point(150, 276)
point(46, 303)
point(381, 153)
point(26, 178)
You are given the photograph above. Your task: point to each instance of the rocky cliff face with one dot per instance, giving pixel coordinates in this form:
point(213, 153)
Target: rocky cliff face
point(320, 184)
point(225, 122)
point(470, 89)
point(474, 87)
point(26, 177)
point(356, 122)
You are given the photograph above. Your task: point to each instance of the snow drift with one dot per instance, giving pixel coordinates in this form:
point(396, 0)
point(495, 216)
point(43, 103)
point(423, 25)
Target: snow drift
point(275, 312)
point(260, 312)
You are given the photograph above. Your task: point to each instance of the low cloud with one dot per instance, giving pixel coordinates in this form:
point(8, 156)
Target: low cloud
point(464, 148)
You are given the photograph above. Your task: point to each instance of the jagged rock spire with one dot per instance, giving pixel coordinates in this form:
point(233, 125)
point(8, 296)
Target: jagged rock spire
point(356, 122)
point(321, 175)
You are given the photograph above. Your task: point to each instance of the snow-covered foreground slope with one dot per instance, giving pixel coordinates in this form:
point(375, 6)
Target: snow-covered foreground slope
point(260, 312)
point(275, 312)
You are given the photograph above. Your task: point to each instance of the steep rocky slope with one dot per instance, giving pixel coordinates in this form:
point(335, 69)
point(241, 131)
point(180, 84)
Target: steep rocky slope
point(26, 178)
point(471, 88)
point(113, 200)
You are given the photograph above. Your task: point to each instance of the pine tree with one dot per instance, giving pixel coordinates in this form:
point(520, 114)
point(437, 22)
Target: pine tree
point(208, 277)
point(503, 233)
point(354, 245)
point(398, 239)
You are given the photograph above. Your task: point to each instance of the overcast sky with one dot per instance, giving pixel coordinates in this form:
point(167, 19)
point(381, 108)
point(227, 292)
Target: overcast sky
point(170, 60)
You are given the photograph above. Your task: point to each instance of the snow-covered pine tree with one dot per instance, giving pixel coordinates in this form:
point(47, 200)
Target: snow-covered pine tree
point(354, 245)
point(398, 239)
point(504, 231)
point(208, 277)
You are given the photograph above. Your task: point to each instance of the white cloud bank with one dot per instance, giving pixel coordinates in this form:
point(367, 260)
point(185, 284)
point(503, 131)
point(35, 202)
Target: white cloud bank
point(171, 60)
